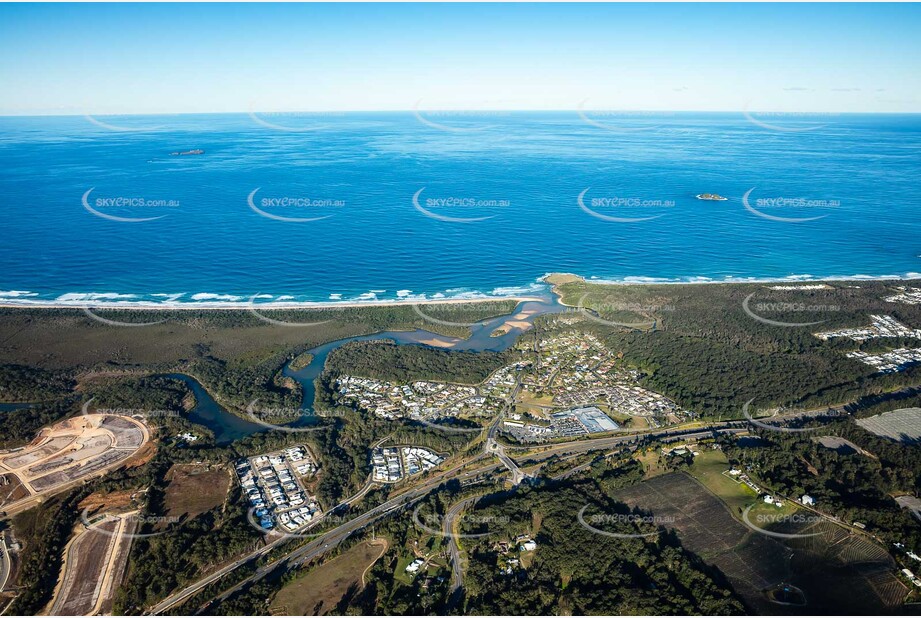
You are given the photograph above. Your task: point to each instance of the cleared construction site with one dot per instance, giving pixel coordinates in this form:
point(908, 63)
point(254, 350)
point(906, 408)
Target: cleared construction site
point(67, 453)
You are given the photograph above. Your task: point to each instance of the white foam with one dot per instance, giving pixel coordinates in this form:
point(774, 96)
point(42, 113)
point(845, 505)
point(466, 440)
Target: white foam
point(225, 301)
point(514, 291)
point(220, 297)
point(82, 297)
point(634, 280)
point(16, 294)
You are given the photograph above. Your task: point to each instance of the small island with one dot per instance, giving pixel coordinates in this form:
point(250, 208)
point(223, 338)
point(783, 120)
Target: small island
point(712, 197)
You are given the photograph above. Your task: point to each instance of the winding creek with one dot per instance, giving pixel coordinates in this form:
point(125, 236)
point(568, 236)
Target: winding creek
point(228, 427)
point(9, 407)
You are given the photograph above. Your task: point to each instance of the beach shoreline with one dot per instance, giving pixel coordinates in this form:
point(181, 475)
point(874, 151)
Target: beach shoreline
point(551, 280)
point(238, 306)
point(789, 280)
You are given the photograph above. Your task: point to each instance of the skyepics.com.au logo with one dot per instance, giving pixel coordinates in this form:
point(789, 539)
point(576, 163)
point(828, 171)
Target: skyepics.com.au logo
point(444, 309)
point(609, 308)
point(438, 207)
point(621, 121)
point(761, 521)
point(773, 426)
point(141, 412)
point(760, 309)
point(444, 524)
point(457, 120)
point(107, 207)
point(604, 207)
point(293, 122)
point(278, 305)
point(121, 124)
point(601, 523)
point(281, 418)
point(90, 313)
point(787, 205)
point(118, 526)
point(788, 121)
point(280, 208)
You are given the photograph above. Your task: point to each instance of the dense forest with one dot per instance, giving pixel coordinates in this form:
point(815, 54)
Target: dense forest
point(185, 549)
point(405, 363)
point(577, 571)
point(20, 426)
point(845, 483)
point(19, 383)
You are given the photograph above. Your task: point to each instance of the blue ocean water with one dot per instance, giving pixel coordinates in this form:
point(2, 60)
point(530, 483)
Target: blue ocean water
point(499, 203)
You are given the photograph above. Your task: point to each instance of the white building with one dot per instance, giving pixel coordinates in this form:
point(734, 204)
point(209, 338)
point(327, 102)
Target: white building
point(415, 565)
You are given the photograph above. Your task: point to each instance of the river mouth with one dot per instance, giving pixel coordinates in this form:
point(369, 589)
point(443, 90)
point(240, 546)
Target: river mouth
point(228, 427)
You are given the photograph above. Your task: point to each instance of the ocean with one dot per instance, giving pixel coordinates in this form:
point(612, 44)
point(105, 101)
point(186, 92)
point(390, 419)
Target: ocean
point(306, 207)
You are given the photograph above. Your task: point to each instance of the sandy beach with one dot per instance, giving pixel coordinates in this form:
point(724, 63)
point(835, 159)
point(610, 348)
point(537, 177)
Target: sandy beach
point(237, 306)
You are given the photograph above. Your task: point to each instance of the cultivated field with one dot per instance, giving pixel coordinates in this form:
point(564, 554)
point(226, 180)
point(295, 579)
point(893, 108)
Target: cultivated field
point(902, 425)
point(710, 468)
point(318, 591)
point(839, 572)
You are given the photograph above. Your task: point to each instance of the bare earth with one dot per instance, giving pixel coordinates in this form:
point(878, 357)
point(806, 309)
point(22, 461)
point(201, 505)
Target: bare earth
point(318, 591)
point(70, 451)
point(93, 566)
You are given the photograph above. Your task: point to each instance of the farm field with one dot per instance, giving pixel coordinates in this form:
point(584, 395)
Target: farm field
point(837, 571)
point(318, 591)
point(709, 467)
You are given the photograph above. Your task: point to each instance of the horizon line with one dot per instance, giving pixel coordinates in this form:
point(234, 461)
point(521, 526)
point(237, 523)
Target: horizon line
point(412, 111)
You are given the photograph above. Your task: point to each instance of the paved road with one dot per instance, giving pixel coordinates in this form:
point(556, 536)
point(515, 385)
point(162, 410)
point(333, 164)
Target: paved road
point(499, 451)
point(313, 548)
point(5, 565)
point(457, 568)
point(336, 535)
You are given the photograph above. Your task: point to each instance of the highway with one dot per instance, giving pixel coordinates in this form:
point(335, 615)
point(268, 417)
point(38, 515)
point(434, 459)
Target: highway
point(457, 569)
point(334, 536)
point(313, 548)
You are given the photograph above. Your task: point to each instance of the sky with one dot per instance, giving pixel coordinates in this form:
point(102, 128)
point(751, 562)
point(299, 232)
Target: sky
point(200, 58)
